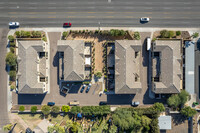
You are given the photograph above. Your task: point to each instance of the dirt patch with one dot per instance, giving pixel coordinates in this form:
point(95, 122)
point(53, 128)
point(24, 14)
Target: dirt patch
point(185, 35)
point(98, 40)
point(179, 124)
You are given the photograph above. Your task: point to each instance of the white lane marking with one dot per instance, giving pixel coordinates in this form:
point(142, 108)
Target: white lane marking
point(51, 3)
point(51, 7)
point(32, 8)
point(32, 3)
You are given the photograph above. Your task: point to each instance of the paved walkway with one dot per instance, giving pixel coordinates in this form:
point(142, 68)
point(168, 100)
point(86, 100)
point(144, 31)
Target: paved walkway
point(3, 80)
point(16, 119)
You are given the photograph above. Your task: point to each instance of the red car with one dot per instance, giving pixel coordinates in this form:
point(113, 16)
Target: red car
point(67, 25)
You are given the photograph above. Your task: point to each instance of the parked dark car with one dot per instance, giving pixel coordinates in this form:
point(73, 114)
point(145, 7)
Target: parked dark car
point(50, 103)
point(102, 103)
point(82, 89)
point(87, 90)
point(28, 130)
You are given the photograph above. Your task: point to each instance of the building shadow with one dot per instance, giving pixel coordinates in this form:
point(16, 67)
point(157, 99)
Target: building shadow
point(31, 98)
point(120, 99)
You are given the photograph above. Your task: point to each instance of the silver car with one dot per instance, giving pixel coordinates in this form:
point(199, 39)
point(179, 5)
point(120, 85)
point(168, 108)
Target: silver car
point(13, 24)
point(144, 19)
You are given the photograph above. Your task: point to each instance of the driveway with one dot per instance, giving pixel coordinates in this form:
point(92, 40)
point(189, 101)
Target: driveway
point(3, 79)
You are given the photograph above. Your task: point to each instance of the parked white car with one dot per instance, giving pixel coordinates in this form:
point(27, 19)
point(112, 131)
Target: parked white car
point(144, 19)
point(13, 24)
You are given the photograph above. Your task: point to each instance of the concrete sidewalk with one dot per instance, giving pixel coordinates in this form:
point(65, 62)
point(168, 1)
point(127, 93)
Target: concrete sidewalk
point(140, 29)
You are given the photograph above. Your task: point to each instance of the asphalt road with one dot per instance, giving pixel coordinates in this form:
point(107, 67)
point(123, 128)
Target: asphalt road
point(110, 13)
point(3, 80)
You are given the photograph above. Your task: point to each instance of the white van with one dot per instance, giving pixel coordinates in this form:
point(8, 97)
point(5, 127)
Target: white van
point(148, 44)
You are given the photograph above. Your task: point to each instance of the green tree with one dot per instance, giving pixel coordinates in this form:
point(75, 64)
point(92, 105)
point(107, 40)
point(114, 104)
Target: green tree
point(75, 110)
point(188, 112)
point(159, 107)
point(45, 109)
point(11, 59)
point(154, 126)
point(137, 35)
point(65, 108)
point(21, 108)
point(75, 127)
point(11, 38)
point(55, 109)
point(7, 127)
point(183, 96)
point(178, 33)
point(12, 87)
point(98, 74)
point(174, 101)
point(33, 109)
point(56, 128)
point(146, 121)
point(112, 129)
point(12, 74)
point(195, 35)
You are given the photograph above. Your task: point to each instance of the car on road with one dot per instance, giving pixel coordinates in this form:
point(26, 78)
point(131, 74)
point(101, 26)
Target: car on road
point(87, 90)
point(67, 25)
point(135, 104)
point(13, 24)
point(102, 103)
point(82, 89)
point(144, 19)
point(50, 103)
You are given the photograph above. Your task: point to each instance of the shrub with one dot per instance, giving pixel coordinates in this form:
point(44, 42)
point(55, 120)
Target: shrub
point(137, 35)
point(7, 127)
point(105, 90)
point(12, 49)
point(44, 39)
point(98, 74)
point(12, 44)
point(195, 35)
point(45, 109)
point(65, 108)
point(36, 34)
point(164, 34)
point(27, 34)
point(12, 87)
point(21, 108)
point(75, 110)
point(65, 34)
point(11, 59)
point(18, 34)
point(12, 75)
point(105, 76)
point(171, 34)
point(11, 38)
point(34, 109)
point(116, 32)
point(55, 109)
point(86, 82)
point(178, 33)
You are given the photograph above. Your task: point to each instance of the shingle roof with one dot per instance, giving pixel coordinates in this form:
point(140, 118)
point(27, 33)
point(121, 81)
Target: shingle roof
point(127, 66)
point(170, 66)
point(73, 59)
point(28, 75)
